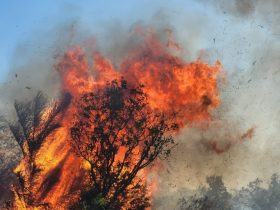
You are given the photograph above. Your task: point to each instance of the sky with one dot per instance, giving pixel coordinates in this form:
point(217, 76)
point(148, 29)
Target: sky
point(20, 19)
point(245, 41)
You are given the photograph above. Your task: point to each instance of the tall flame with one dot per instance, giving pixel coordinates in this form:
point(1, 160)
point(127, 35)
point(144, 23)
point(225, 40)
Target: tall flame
point(172, 85)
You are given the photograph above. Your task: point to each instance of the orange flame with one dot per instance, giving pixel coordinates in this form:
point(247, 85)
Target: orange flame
point(172, 85)
point(222, 147)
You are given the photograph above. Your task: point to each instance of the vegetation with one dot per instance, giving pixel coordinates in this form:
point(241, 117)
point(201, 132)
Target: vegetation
point(251, 197)
point(118, 135)
point(36, 120)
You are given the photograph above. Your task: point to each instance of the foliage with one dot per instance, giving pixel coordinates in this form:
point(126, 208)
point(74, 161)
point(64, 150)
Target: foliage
point(37, 119)
point(254, 196)
point(215, 197)
point(32, 127)
point(118, 135)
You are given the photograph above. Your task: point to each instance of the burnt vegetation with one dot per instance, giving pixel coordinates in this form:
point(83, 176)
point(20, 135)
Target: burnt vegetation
point(118, 135)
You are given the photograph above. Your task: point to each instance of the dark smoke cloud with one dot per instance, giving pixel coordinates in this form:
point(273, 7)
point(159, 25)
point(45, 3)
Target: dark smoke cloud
point(243, 8)
point(264, 12)
point(235, 7)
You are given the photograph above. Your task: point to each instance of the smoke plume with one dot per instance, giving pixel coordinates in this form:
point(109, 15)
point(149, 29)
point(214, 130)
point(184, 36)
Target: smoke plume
point(241, 142)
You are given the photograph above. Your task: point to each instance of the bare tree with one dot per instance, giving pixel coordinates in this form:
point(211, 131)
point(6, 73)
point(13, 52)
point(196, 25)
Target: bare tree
point(118, 135)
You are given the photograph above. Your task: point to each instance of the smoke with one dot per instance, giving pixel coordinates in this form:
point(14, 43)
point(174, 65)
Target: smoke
point(242, 34)
point(235, 7)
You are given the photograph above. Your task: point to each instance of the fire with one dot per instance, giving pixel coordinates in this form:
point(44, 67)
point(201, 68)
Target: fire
point(172, 85)
point(220, 147)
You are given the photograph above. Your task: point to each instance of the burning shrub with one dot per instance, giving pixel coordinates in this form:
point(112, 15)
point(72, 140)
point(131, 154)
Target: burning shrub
point(37, 119)
point(118, 135)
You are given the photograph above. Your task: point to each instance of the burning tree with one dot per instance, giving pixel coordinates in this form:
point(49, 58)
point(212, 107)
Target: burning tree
point(118, 135)
point(117, 131)
point(37, 119)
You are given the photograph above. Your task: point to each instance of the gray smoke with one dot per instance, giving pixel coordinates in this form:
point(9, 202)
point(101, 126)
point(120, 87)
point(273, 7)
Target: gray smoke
point(242, 34)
